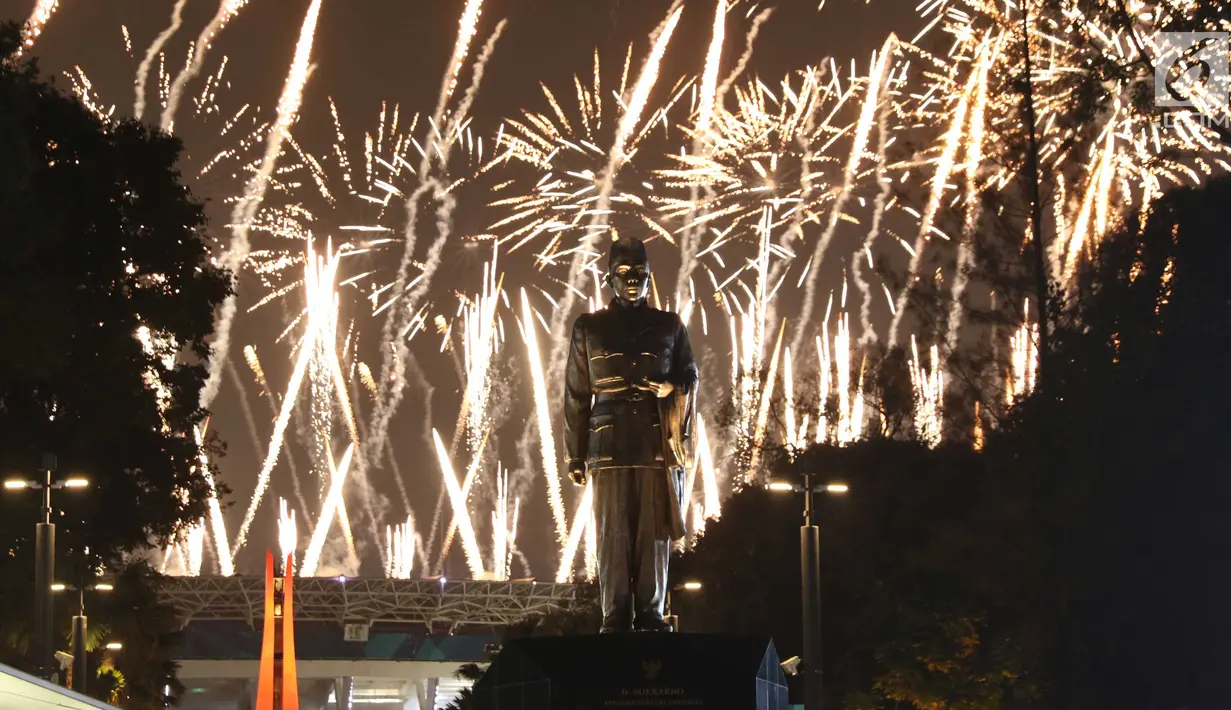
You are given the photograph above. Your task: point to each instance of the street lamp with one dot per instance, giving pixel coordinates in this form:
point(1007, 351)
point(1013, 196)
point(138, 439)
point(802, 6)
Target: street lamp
point(690, 586)
point(80, 660)
point(45, 562)
point(810, 567)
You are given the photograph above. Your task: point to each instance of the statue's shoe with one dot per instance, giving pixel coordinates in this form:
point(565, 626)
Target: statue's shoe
point(614, 626)
point(652, 623)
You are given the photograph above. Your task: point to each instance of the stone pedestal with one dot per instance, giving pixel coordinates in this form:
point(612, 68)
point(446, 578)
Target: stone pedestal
point(646, 670)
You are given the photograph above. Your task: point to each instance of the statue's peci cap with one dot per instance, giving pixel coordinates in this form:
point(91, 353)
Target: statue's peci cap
point(627, 250)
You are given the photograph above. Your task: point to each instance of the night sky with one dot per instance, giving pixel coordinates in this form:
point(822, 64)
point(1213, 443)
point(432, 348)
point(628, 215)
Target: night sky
point(369, 51)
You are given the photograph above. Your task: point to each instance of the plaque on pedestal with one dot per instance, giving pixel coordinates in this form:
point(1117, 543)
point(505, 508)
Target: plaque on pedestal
point(630, 671)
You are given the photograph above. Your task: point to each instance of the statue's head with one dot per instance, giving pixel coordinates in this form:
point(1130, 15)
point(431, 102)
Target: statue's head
point(628, 269)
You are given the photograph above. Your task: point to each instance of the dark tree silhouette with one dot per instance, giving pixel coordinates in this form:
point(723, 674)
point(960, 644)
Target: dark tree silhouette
point(1077, 561)
point(100, 240)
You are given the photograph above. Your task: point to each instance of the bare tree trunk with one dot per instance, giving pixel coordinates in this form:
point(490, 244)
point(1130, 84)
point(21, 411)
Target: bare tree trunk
point(1036, 208)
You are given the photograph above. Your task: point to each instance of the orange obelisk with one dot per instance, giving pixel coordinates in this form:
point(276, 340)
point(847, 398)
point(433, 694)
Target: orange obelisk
point(277, 681)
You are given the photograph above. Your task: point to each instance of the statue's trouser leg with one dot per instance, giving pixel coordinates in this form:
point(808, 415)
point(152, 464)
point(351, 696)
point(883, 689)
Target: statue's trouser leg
point(651, 549)
point(615, 512)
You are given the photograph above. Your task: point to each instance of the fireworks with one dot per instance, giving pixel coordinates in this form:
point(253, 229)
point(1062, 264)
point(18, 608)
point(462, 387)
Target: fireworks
point(769, 191)
point(43, 10)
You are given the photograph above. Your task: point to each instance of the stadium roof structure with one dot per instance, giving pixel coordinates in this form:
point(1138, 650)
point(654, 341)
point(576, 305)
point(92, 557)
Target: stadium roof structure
point(430, 602)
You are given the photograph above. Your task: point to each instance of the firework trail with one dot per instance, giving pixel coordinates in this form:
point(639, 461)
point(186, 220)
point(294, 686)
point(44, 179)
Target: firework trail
point(767, 394)
point(929, 389)
point(331, 507)
point(868, 333)
point(400, 549)
point(616, 157)
point(143, 70)
point(504, 529)
point(394, 345)
point(43, 10)
point(709, 478)
point(320, 333)
point(217, 522)
point(551, 465)
point(470, 544)
point(944, 167)
point(974, 158)
point(447, 200)
point(876, 84)
point(245, 209)
point(1023, 363)
point(709, 78)
point(1094, 204)
point(288, 536)
point(227, 10)
point(581, 520)
point(721, 94)
point(193, 548)
point(471, 472)
point(691, 239)
point(254, 363)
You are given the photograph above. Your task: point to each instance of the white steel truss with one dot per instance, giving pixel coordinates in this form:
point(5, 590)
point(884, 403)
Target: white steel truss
point(357, 600)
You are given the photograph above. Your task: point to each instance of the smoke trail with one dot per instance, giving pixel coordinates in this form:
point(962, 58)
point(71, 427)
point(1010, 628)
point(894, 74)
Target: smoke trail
point(965, 248)
point(444, 210)
point(143, 70)
point(387, 405)
point(755, 29)
point(393, 368)
point(862, 130)
point(868, 334)
point(227, 10)
point(254, 193)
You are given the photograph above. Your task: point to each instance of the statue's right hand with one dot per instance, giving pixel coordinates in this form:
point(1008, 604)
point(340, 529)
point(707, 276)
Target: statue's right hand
point(578, 475)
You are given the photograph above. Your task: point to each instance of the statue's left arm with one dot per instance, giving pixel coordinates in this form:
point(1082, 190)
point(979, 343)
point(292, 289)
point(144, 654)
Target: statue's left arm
point(684, 372)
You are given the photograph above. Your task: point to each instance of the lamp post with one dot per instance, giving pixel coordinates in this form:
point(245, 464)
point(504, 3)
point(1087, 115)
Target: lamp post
point(810, 567)
point(44, 562)
point(684, 587)
point(80, 659)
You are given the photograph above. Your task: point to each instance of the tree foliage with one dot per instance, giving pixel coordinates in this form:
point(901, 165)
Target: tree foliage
point(1076, 561)
point(103, 247)
point(101, 240)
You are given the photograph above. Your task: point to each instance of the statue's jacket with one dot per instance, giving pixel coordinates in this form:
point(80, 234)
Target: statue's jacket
point(608, 422)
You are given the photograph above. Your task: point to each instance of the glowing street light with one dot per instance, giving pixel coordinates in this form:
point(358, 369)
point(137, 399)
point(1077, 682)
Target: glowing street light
point(114, 646)
point(810, 565)
point(44, 561)
point(80, 660)
point(669, 617)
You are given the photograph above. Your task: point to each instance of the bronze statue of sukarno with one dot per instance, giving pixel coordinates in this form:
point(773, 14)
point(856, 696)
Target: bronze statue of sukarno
point(630, 393)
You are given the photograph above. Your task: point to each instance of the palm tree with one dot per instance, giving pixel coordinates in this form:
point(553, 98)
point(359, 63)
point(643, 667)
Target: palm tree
point(465, 699)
